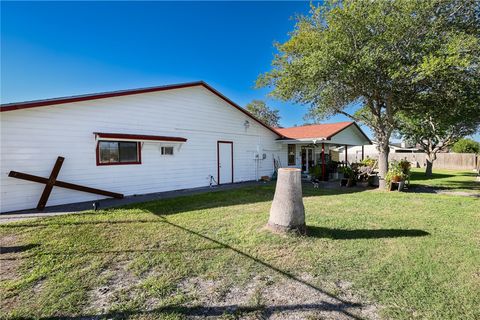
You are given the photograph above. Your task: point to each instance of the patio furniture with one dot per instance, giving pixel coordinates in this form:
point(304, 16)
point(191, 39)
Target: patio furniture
point(368, 173)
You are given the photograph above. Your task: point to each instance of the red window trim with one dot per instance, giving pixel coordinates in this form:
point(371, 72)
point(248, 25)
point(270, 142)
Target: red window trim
point(138, 137)
point(97, 152)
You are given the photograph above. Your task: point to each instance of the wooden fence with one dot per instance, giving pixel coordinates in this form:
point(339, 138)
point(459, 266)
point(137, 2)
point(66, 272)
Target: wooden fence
point(454, 161)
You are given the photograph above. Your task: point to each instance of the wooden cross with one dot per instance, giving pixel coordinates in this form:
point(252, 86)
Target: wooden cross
point(52, 181)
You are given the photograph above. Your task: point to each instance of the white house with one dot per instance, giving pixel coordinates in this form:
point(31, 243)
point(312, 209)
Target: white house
point(146, 140)
point(356, 153)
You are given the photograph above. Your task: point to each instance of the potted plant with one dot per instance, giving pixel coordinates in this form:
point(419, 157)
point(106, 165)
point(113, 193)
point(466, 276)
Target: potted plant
point(405, 165)
point(348, 177)
point(395, 174)
point(332, 170)
point(368, 162)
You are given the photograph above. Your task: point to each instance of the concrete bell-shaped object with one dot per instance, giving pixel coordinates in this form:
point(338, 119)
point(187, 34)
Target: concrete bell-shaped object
point(287, 212)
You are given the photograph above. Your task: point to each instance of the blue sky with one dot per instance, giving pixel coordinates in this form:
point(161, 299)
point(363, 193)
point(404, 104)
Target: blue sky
point(51, 49)
point(55, 49)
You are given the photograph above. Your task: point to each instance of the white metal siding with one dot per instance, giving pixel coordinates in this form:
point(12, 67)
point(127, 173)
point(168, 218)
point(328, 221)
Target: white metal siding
point(350, 136)
point(31, 140)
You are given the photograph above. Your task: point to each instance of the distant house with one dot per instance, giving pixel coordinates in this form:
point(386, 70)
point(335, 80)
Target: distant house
point(150, 140)
point(357, 153)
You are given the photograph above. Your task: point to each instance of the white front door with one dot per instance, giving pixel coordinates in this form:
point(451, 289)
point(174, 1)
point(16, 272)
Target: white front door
point(225, 161)
point(308, 159)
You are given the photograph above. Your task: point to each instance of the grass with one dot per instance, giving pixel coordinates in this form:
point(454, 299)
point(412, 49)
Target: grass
point(415, 255)
point(447, 179)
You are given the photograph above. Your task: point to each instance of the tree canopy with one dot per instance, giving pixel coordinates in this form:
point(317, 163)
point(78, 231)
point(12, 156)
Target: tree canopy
point(264, 113)
point(372, 60)
point(437, 132)
point(466, 146)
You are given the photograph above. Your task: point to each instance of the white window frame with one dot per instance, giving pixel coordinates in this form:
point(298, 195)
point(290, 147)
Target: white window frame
point(162, 148)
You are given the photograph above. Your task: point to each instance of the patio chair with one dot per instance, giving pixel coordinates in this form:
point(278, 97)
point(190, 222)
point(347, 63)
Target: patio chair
point(367, 171)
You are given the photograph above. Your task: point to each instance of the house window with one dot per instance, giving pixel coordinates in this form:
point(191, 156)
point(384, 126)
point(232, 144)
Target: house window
point(118, 152)
point(167, 151)
point(291, 154)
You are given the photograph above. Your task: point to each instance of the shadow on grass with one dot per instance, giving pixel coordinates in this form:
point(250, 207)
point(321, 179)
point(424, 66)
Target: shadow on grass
point(243, 192)
point(444, 181)
point(103, 252)
point(235, 197)
point(53, 222)
point(312, 231)
point(197, 202)
point(445, 190)
point(461, 183)
point(341, 304)
point(344, 234)
point(338, 305)
point(450, 186)
point(17, 249)
point(264, 312)
point(420, 175)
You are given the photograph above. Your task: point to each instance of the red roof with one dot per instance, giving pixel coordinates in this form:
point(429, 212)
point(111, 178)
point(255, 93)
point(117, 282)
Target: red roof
point(138, 137)
point(318, 131)
point(102, 95)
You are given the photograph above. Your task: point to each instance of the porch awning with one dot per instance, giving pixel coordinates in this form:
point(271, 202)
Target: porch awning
point(137, 137)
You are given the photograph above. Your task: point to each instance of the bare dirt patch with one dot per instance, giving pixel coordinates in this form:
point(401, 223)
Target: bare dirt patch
point(118, 281)
point(9, 261)
point(443, 191)
point(460, 193)
point(275, 298)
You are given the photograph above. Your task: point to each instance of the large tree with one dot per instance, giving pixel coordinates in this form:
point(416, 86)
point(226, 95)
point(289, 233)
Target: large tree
point(446, 106)
point(437, 133)
point(370, 60)
point(264, 113)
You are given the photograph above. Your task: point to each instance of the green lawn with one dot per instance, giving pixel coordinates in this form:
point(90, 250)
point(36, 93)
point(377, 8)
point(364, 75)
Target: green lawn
point(447, 179)
point(410, 255)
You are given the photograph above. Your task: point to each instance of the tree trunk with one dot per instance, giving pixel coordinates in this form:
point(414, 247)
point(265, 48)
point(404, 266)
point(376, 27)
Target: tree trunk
point(383, 150)
point(429, 169)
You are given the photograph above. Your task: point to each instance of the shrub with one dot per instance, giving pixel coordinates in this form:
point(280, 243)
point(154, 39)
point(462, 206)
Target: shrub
point(466, 146)
point(405, 166)
point(348, 172)
point(315, 171)
point(368, 162)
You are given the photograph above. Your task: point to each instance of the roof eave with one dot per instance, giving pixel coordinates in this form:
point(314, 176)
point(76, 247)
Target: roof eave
point(302, 140)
